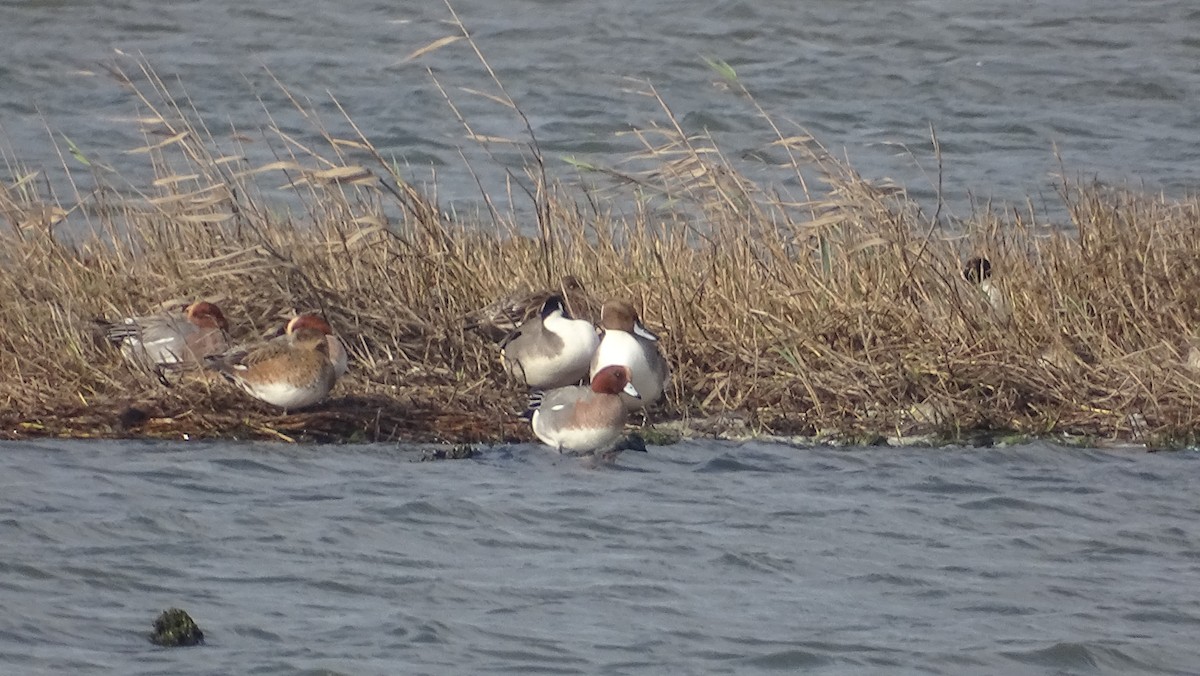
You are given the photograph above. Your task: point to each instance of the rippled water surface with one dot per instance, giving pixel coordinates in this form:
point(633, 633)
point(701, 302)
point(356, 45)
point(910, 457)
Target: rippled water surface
point(1111, 84)
point(700, 558)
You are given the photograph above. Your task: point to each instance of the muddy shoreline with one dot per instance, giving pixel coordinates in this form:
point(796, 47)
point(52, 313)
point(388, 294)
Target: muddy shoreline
point(438, 432)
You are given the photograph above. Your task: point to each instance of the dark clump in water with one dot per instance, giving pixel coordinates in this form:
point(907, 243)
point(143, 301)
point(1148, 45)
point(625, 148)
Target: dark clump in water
point(456, 452)
point(174, 628)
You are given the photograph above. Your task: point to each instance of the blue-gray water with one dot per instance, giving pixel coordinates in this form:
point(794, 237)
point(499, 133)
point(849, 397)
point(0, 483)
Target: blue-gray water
point(701, 558)
point(1111, 84)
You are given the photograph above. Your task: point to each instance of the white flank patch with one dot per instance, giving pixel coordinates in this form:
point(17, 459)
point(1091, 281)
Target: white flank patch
point(285, 396)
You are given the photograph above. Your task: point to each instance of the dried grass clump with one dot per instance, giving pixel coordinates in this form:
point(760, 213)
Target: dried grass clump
point(836, 312)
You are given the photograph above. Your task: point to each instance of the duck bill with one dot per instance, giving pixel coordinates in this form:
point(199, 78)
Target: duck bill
point(641, 330)
point(631, 391)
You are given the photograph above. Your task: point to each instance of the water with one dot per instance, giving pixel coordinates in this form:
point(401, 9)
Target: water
point(1109, 84)
point(701, 558)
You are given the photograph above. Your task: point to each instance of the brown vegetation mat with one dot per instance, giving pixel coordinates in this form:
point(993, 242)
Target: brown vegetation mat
point(841, 312)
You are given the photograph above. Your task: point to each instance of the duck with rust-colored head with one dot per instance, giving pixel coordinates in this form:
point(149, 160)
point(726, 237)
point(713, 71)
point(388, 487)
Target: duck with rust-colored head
point(581, 420)
point(178, 339)
point(627, 342)
point(291, 372)
point(337, 350)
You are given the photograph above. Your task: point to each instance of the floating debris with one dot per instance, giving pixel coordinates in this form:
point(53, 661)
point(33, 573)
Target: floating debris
point(455, 452)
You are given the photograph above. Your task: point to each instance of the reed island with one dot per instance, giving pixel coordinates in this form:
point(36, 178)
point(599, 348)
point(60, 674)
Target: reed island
point(825, 306)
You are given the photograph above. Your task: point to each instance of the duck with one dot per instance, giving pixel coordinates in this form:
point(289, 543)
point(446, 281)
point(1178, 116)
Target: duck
point(500, 318)
point(627, 342)
point(978, 271)
point(337, 350)
point(178, 338)
point(291, 372)
point(579, 420)
point(551, 349)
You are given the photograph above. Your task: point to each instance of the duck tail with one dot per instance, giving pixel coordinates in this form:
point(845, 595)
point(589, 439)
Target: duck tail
point(221, 362)
point(534, 403)
point(115, 332)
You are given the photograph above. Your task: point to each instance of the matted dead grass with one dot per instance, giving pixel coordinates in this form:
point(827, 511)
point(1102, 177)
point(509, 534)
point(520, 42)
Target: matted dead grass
point(839, 311)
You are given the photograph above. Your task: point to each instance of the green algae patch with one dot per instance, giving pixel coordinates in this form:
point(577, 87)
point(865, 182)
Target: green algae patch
point(658, 436)
point(174, 628)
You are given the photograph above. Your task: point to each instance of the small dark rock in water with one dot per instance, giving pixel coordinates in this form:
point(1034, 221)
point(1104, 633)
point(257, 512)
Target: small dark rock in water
point(457, 452)
point(176, 628)
point(633, 442)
